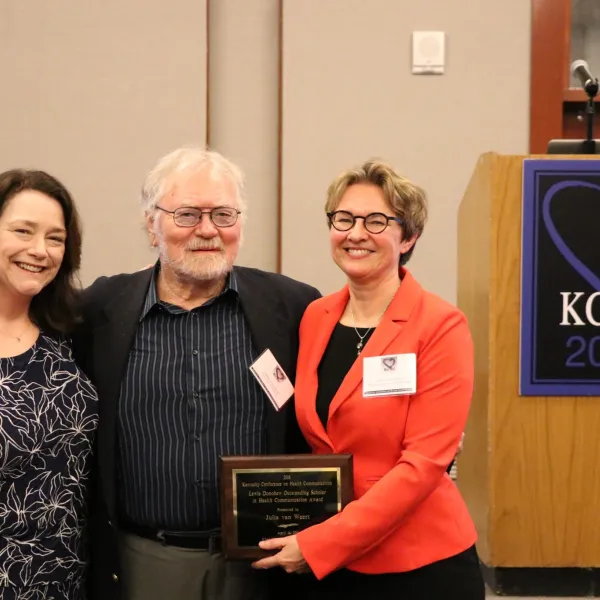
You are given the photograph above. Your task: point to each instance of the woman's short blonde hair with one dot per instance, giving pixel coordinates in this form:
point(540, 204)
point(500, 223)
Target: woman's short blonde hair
point(407, 200)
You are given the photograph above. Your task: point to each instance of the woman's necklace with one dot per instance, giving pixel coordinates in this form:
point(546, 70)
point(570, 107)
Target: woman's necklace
point(360, 344)
point(16, 337)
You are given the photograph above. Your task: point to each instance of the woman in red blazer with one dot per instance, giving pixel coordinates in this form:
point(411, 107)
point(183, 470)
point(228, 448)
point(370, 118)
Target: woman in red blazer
point(385, 373)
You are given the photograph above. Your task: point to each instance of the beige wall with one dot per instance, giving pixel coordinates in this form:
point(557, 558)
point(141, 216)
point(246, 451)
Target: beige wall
point(95, 92)
point(349, 95)
point(98, 91)
point(243, 112)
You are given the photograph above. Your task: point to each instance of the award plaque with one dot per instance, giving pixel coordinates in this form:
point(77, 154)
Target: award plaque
point(265, 497)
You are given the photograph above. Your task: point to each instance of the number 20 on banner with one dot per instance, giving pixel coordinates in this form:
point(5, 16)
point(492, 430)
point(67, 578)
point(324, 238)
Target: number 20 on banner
point(581, 351)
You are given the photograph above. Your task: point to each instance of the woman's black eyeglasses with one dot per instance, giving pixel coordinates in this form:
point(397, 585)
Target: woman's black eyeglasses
point(343, 220)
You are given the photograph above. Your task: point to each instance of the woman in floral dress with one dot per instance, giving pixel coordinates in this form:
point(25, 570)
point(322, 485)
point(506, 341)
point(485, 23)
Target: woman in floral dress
point(48, 408)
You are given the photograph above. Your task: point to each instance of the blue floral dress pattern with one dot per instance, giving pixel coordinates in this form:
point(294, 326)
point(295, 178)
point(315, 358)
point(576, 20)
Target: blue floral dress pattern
point(48, 418)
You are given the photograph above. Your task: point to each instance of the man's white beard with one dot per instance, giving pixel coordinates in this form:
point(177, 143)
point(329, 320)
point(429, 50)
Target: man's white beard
point(197, 267)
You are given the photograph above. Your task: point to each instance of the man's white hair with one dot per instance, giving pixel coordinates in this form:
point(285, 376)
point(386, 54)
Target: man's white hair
point(189, 158)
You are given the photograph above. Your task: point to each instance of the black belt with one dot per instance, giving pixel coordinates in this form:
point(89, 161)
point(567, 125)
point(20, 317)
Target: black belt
point(198, 540)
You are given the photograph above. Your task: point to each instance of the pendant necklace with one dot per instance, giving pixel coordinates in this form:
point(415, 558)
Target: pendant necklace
point(360, 344)
point(16, 337)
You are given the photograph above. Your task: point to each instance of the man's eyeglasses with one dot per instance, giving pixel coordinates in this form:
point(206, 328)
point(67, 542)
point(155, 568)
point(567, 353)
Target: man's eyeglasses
point(343, 220)
point(221, 216)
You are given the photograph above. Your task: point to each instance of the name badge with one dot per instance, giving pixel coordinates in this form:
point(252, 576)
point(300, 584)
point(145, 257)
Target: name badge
point(391, 375)
point(272, 379)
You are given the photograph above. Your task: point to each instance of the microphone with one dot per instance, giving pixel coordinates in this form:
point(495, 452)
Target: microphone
point(589, 83)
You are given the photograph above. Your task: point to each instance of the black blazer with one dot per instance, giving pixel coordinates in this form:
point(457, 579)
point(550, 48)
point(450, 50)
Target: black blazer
point(272, 305)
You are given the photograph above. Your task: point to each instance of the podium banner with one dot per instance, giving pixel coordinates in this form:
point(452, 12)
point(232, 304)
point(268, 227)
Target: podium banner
point(560, 278)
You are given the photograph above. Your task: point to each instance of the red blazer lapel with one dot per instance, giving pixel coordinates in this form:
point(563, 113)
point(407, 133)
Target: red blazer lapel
point(318, 336)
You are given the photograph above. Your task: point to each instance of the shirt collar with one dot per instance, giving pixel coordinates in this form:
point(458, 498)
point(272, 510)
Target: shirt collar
point(152, 298)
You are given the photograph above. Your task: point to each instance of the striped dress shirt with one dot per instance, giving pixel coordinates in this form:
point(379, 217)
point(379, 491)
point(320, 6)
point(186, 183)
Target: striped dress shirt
point(187, 397)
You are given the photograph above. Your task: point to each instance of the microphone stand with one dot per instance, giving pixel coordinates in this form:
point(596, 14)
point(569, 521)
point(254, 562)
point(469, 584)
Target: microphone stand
point(591, 89)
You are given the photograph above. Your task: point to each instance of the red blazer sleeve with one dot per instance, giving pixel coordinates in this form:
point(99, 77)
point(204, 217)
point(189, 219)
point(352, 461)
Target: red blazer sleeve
point(436, 419)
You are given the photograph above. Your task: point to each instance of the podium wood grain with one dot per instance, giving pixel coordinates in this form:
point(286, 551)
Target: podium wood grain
point(530, 470)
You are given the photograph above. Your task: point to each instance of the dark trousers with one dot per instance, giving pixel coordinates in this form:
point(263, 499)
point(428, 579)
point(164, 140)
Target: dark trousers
point(456, 578)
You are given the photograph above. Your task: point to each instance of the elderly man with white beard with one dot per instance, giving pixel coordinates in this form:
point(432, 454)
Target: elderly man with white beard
point(169, 350)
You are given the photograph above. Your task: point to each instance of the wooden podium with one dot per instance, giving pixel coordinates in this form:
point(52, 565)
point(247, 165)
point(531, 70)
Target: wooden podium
point(530, 470)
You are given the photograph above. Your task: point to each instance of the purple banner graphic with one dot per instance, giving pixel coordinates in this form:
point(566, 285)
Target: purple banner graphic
point(560, 278)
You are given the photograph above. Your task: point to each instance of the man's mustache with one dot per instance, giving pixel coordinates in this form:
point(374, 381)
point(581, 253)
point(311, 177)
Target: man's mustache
point(205, 245)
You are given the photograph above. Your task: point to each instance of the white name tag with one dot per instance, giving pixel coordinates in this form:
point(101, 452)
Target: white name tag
point(272, 379)
point(391, 375)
